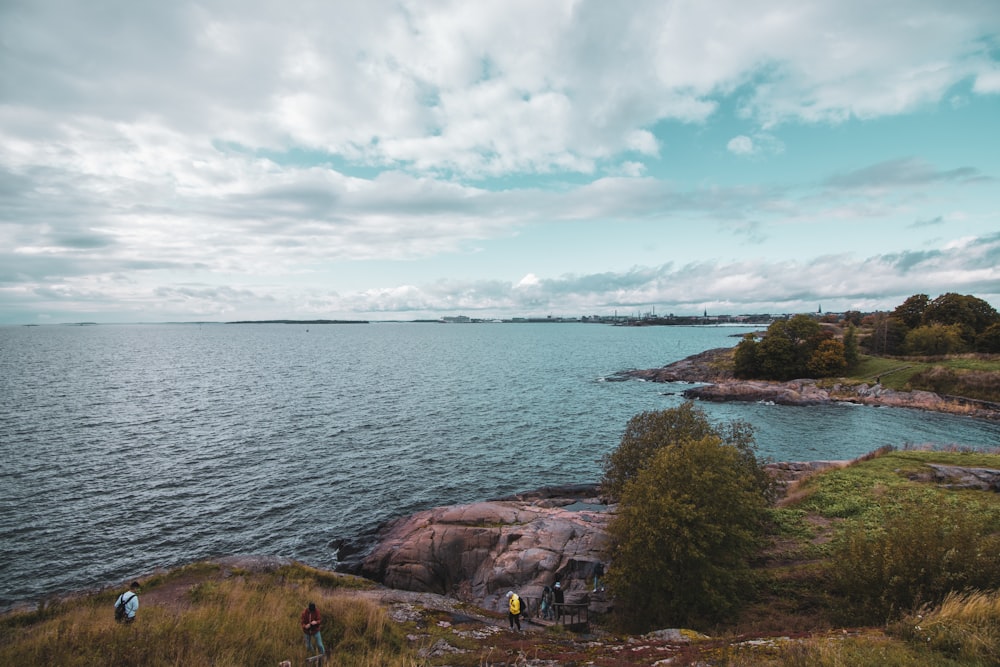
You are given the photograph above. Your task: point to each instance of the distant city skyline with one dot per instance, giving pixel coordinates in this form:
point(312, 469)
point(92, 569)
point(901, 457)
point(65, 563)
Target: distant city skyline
point(415, 160)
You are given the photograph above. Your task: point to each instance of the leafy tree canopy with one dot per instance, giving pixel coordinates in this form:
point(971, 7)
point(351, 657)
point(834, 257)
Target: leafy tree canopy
point(934, 339)
point(971, 313)
point(911, 311)
point(797, 347)
point(689, 519)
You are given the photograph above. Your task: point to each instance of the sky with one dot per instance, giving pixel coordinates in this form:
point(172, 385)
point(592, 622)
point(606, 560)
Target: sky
point(229, 160)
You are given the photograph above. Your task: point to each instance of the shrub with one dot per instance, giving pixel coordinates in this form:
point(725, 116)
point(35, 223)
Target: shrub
point(922, 552)
point(981, 385)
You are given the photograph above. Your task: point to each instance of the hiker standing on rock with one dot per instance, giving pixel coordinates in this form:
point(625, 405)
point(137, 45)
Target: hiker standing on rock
point(310, 622)
point(514, 609)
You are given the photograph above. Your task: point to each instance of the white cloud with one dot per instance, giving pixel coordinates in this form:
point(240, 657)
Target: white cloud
point(988, 81)
point(741, 145)
point(186, 150)
point(491, 88)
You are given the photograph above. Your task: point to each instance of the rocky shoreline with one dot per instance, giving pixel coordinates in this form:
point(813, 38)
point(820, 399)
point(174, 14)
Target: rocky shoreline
point(478, 551)
point(716, 383)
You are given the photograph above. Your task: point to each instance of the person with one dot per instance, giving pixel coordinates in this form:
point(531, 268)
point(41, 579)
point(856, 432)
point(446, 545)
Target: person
point(310, 622)
point(130, 600)
point(598, 573)
point(547, 611)
point(514, 609)
point(557, 599)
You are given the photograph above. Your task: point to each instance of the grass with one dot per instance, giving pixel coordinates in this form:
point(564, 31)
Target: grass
point(974, 376)
point(820, 511)
point(236, 620)
point(965, 626)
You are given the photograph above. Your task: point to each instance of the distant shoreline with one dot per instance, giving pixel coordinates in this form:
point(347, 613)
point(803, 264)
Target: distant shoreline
point(300, 322)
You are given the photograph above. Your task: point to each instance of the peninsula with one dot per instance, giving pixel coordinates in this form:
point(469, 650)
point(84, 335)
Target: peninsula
point(712, 370)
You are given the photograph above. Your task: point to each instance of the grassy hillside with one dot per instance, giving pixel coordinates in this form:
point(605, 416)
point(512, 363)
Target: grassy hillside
point(971, 375)
point(806, 613)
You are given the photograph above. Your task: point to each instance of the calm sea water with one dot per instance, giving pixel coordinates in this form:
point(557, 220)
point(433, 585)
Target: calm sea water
point(130, 448)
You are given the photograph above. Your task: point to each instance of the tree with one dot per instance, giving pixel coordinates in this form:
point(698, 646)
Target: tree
point(684, 531)
point(829, 359)
point(644, 435)
point(853, 317)
point(989, 340)
point(777, 353)
point(972, 314)
point(887, 335)
point(934, 339)
point(746, 358)
point(851, 355)
point(911, 311)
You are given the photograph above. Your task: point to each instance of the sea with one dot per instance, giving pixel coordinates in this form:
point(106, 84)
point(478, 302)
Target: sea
point(127, 449)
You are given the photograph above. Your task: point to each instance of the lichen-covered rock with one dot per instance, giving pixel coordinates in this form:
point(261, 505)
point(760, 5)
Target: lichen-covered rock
point(479, 551)
point(965, 477)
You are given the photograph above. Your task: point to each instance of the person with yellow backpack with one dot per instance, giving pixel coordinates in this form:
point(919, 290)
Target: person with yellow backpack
point(515, 607)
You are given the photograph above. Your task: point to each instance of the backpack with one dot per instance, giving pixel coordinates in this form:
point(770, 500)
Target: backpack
point(120, 611)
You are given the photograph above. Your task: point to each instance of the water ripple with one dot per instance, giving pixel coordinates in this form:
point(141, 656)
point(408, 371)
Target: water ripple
point(129, 448)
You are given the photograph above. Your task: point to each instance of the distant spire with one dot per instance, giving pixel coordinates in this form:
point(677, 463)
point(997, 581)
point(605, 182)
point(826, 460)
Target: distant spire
point(820, 311)
point(706, 312)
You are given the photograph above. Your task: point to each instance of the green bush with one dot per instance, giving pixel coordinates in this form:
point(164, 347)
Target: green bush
point(989, 340)
point(934, 339)
point(921, 552)
point(688, 522)
point(644, 435)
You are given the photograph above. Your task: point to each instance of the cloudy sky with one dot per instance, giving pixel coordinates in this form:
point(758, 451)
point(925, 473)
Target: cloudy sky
point(225, 159)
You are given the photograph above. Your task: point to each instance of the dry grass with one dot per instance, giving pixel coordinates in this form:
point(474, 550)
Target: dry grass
point(966, 626)
point(230, 622)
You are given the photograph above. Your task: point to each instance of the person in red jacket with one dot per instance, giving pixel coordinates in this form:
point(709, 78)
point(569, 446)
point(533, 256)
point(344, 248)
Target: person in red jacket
point(310, 622)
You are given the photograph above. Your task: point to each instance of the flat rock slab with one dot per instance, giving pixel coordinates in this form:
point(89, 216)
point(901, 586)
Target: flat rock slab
point(477, 552)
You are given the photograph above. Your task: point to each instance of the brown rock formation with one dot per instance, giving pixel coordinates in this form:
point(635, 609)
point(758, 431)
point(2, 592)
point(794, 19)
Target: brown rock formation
point(708, 366)
point(807, 392)
point(477, 552)
point(796, 392)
